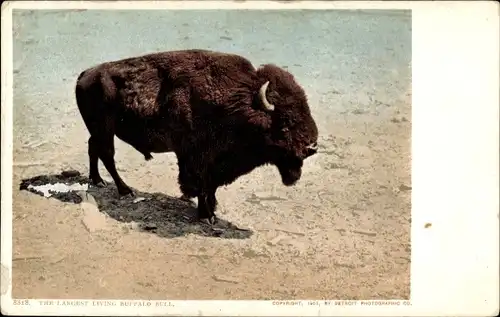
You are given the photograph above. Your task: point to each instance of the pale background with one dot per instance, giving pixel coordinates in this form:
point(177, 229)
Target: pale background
point(343, 232)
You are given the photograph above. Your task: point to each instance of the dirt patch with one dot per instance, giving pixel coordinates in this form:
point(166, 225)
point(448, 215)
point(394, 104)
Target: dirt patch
point(158, 213)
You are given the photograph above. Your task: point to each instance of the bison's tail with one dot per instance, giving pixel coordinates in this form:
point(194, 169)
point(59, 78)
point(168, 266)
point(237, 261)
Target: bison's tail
point(80, 76)
point(94, 94)
point(85, 106)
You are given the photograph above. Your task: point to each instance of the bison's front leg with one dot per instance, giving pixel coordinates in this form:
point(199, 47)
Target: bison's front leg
point(192, 186)
point(207, 203)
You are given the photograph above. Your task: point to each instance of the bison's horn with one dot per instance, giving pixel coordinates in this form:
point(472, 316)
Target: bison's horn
point(262, 93)
point(313, 146)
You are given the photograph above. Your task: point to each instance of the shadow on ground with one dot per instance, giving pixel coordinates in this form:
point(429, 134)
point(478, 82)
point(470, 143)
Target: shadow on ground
point(158, 213)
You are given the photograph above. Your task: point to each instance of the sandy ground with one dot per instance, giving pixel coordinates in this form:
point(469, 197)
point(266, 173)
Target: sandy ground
point(343, 232)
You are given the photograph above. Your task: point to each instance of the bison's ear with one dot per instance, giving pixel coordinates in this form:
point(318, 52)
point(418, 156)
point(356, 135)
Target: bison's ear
point(262, 94)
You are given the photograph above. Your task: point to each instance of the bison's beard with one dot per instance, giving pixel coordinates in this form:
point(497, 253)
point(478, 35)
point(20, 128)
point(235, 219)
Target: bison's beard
point(289, 177)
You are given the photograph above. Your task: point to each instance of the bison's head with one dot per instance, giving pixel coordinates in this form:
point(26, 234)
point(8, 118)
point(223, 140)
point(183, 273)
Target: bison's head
point(293, 133)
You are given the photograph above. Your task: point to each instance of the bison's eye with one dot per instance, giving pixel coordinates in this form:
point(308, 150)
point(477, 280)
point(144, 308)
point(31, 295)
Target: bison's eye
point(312, 149)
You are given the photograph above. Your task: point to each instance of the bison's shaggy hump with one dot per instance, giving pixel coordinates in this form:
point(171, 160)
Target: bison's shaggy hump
point(146, 84)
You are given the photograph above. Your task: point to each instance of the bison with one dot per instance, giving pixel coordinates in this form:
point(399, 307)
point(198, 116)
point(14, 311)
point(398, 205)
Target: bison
point(220, 116)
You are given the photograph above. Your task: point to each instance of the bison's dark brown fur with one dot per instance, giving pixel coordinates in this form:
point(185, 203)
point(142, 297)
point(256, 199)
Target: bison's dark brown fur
point(220, 115)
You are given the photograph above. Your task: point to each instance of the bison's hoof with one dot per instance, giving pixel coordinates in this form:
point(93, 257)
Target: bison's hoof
point(100, 183)
point(188, 200)
point(129, 195)
point(209, 221)
point(148, 157)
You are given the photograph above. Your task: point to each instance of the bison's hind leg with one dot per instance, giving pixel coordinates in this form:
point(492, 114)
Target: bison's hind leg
point(94, 175)
point(102, 143)
point(107, 156)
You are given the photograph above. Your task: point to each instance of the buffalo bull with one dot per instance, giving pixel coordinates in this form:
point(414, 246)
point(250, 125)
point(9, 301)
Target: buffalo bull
point(221, 116)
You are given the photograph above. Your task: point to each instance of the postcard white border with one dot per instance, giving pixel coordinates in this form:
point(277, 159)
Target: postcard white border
point(455, 165)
